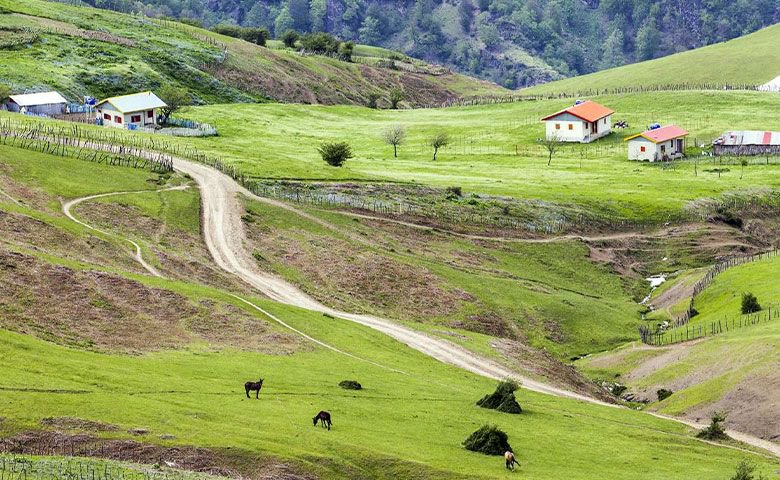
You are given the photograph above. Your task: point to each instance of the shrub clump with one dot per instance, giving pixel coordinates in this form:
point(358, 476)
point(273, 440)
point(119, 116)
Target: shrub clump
point(663, 394)
point(750, 303)
point(350, 385)
point(488, 440)
point(715, 430)
point(503, 399)
point(335, 154)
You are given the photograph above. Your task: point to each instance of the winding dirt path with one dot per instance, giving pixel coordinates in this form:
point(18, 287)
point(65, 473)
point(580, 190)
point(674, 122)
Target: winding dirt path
point(66, 209)
point(224, 236)
point(67, 206)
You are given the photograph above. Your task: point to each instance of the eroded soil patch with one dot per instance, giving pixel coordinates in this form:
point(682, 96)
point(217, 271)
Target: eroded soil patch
point(104, 311)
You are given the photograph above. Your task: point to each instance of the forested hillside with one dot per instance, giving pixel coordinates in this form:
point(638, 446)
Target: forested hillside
point(513, 42)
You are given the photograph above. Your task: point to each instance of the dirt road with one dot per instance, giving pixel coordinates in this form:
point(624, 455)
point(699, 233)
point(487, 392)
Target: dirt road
point(67, 206)
point(224, 236)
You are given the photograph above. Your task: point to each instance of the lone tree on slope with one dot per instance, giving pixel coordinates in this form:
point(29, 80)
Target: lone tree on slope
point(552, 144)
point(176, 98)
point(396, 96)
point(439, 140)
point(395, 136)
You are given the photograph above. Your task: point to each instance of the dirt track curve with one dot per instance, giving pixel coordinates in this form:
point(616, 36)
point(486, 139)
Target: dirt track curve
point(224, 236)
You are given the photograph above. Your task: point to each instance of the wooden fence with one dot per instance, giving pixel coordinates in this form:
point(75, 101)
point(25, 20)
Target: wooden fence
point(710, 276)
point(590, 92)
point(676, 333)
point(62, 142)
point(689, 332)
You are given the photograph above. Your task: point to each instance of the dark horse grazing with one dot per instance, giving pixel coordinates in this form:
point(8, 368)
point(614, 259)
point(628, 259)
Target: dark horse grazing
point(249, 386)
point(324, 418)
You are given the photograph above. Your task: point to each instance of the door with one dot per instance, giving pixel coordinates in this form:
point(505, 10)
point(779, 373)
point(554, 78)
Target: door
point(679, 145)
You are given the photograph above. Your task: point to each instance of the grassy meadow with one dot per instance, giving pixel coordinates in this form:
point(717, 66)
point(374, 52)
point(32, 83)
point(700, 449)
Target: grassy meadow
point(748, 60)
point(131, 53)
point(549, 295)
point(409, 420)
point(280, 141)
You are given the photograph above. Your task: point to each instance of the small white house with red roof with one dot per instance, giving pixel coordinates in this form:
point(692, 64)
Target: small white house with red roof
point(657, 144)
point(583, 122)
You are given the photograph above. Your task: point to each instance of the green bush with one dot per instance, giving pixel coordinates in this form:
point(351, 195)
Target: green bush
point(335, 154)
point(488, 440)
point(750, 303)
point(350, 385)
point(715, 430)
point(290, 38)
point(663, 394)
point(503, 399)
point(320, 42)
point(745, 470)
point(253, 35)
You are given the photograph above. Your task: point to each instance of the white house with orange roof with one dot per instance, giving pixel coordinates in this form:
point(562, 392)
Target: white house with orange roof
point(583, 122)
point(657, 144)
point(130, 111)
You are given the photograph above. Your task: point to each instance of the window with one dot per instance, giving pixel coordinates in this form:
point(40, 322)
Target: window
point(150, 114)
point(571, 126)
point(642, 149)
point(605, 121)
point(557, 126)
point(117, 119)
point(663, 148)
point(135, 119)
point(106, 116)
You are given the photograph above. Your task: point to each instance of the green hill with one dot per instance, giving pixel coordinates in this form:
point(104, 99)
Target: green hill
point(76, 365)
point(750, 60)
point(719, 373)
point(85, 51)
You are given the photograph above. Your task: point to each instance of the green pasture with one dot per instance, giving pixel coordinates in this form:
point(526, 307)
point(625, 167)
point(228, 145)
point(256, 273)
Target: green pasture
point(552, 293)
point(748, 60)
point(280, 141)
point(410, 419)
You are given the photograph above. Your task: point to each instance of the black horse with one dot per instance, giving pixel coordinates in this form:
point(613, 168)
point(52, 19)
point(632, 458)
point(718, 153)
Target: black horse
point(324, 418)
point(256, 386)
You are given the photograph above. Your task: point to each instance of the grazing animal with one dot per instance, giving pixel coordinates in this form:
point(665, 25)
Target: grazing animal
point(511, 461)
point(253, 386)
point(324, 418)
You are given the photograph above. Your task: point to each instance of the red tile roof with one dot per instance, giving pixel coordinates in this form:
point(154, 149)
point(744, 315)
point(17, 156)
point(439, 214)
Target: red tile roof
point(588, 110)
point(662, 134)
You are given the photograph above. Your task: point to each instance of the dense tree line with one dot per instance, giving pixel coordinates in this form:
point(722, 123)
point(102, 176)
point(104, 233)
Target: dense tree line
point(514, 42)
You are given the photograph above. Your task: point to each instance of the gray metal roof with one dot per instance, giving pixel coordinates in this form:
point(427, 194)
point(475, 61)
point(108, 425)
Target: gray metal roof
point(33, 99)
point(136, 102)
point(748, 137)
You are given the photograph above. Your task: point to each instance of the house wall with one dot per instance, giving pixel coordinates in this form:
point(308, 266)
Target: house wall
point(654, 152)
point(573, 129)
point(108, 110)
point(126, 118)
point(145, 118)
point(635, 149)
point(47, 109)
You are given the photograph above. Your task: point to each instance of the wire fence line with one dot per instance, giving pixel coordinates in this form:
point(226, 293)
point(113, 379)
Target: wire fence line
point(690, 332)
point(675, 334)
point(60, 141)
point(590, 92)
point(710, 276)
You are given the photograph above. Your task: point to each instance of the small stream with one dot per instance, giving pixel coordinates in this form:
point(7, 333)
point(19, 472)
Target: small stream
point(655, 282)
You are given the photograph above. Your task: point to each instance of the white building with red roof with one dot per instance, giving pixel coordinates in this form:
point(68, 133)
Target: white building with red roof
point(583, 122)
point(657, 144)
